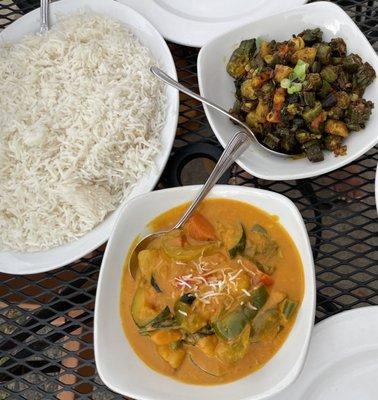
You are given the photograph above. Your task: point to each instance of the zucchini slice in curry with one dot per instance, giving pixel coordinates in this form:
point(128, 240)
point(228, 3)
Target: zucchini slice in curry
point(238, 242)
point(141, 311)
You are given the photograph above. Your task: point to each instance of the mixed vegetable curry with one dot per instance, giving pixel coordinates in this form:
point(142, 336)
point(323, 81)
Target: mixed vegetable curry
point(301, 95)
point(215, 301)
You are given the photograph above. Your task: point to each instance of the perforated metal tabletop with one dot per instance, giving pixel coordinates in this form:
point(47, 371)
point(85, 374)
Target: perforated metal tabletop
point(46, 320)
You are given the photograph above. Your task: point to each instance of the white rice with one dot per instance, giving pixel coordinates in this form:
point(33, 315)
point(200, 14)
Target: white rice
point(80, 121)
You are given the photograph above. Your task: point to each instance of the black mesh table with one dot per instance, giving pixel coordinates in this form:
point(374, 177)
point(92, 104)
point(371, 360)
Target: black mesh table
point(46, 320)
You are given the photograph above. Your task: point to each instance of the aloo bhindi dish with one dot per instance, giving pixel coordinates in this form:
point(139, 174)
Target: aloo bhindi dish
point(303, 95)
point(213, 302)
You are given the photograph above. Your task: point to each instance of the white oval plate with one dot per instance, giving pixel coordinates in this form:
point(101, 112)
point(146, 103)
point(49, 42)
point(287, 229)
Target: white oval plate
point(342, 362)
point(195, 22)
point(41, 261)
point(376, 187)
point(216, 85)
point(118, 365)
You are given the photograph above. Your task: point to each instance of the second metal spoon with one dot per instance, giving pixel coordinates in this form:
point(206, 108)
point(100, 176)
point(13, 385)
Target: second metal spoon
point(44, 16)
point(168, 80)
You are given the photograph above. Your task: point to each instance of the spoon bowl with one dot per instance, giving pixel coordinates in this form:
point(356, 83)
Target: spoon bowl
point(236, 146)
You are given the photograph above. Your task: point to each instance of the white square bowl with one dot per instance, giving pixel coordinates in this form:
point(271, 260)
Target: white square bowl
point(117, 364)
point(216, 85)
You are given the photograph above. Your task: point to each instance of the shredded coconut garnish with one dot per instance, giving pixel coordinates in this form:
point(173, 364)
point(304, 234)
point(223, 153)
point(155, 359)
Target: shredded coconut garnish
point(210, 284)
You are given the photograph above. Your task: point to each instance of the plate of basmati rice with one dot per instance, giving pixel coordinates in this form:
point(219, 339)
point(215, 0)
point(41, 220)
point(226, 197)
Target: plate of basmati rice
point(84, 125)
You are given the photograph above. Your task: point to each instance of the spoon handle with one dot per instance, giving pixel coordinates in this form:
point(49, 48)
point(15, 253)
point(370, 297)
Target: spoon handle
point(235, 147)
point(44, 16)
point(167, 79)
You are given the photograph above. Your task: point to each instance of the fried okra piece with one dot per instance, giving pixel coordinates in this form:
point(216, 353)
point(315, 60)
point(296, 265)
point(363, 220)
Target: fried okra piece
point(358, 114)
point(310, 114)
point(329, 101)
point(338, 47)
point(335, 113)
point(352, 62)
point(287, 139)
point(323, 54)
point(330, 73)
point(343, 100)
point(344, 81)
point(311, 36)
point(364, 76)
point(335, 127)
point(271, 141)
point(313, 150)
point(307, 55)
point(332, 142)
point(282, 72)
point(240, 58)
point(313, 82)
point(236, 109)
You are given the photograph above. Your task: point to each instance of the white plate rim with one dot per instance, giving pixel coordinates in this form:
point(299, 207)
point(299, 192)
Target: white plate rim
point(318, 344)
point(174, 27)
point(152, 177)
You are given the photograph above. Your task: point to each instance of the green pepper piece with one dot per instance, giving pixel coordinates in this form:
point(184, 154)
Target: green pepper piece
point(267, 269)
point(259, 229)
point(230, 352)
point(266, 326)
point(257, 300)
point(231, 324)
point(189, 320)
point(288, 307)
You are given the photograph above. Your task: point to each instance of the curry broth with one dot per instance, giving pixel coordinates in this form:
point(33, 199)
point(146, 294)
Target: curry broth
point(288, 278)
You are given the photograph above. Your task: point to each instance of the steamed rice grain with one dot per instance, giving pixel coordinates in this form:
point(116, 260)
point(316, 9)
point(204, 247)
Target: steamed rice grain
point(80, 122)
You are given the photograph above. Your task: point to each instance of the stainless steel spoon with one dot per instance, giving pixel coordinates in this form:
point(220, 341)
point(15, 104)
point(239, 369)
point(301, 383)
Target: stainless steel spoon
point(236, 146)
point(44, 16)
point(167, 79)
